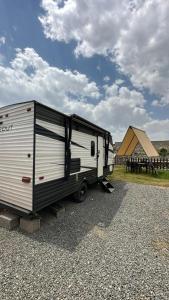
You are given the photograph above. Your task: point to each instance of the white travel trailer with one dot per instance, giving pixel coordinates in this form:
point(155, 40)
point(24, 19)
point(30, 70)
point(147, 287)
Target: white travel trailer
point(46, 155)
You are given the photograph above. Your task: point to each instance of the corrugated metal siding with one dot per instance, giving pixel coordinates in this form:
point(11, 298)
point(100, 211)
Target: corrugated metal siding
point(15, 145)
point(50, 154)
point(84, 154)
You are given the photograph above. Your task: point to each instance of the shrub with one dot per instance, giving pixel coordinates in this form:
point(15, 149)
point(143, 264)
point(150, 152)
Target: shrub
point(163, 152)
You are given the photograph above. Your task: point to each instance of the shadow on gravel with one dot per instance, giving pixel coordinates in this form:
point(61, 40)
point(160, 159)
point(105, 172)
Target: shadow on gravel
point(98, 210)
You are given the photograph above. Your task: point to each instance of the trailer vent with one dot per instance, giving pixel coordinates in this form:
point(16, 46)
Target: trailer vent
point(26, 179)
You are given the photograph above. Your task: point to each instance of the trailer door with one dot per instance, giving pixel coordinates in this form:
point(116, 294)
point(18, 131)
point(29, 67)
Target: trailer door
point(100, 157)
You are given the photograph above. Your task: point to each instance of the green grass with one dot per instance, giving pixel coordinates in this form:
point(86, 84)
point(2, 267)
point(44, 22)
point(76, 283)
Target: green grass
point(161, 179)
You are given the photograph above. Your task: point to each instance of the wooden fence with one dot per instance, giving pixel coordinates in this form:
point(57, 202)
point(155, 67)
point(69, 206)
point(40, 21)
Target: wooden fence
point(158, 163)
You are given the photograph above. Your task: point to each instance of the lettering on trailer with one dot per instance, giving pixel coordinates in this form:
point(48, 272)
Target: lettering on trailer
point(6, 128)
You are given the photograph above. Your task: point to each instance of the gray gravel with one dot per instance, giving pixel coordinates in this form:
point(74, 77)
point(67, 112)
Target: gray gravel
point(113, 246)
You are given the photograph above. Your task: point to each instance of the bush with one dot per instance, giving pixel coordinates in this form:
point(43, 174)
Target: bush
point(163, 152)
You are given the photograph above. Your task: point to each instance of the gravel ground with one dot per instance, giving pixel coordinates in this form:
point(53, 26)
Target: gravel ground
point(113, 246)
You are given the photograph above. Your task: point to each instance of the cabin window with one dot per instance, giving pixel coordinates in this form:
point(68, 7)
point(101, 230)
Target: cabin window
point(92, 148)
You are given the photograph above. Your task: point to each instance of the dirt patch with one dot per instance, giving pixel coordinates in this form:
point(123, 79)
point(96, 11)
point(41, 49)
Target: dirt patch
point(161, 245)
point(99, 232)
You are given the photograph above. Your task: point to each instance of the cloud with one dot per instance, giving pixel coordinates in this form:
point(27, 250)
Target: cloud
point(119, 81)
point(157, 129)
point(2, 58)
point(2, 40)
point(133, 34)
point(95, 25)
point(30, 77)
point(106, 78)
point(98, 68)
point(142, 49)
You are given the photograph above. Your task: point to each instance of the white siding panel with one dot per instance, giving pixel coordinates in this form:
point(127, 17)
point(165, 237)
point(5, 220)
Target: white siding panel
point(111, 156)
point(101, 158)
point(50, 158)
point(53, 127)
point(84, 154)
point(50, 154)
point(104, 152)
point(15, 145)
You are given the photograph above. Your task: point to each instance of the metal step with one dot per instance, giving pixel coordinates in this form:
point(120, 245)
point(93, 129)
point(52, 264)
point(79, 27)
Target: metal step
point(107, 185)
point(111, 190)
point(104, 182)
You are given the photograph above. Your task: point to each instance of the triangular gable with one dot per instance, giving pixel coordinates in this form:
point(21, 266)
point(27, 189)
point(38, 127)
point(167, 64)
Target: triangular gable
point(133, 137)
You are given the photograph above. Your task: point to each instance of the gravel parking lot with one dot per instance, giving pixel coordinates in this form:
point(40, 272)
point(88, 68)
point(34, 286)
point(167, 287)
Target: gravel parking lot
point(113, 246)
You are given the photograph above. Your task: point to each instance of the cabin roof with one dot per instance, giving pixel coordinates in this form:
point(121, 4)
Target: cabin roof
point(132, 138)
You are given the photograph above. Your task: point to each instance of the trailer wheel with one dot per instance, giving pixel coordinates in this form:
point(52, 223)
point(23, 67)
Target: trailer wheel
point(81, 194)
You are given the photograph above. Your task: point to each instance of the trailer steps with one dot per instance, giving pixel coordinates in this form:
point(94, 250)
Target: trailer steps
point(107, 185)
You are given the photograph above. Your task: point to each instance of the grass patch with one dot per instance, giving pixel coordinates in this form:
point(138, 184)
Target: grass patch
point(161, 179)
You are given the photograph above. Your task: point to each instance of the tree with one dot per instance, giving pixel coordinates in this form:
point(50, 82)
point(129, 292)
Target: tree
point(163, 152)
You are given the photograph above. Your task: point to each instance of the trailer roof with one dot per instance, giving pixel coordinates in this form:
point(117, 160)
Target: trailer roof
point(78, 119)
point(83, 121)
point(75, 117)
point(18, 103)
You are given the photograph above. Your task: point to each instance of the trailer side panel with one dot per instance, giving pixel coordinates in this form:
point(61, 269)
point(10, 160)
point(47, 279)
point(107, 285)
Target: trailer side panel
point(81, 148)
point(16, 155)
point(49, 151)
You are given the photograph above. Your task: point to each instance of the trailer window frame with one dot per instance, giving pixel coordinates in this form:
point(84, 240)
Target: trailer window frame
point(93, 148)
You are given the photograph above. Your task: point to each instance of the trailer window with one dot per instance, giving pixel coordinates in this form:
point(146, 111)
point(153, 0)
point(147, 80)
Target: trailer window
point(92, 148)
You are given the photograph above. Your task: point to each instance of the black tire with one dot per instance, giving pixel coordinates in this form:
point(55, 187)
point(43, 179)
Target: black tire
point(81, 194)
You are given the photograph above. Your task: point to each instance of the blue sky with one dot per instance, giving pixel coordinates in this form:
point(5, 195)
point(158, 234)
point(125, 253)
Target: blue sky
point(95, 63)
point(20, 25)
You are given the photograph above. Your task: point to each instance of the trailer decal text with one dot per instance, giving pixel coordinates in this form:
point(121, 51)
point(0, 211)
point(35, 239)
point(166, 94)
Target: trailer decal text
point(6, 128)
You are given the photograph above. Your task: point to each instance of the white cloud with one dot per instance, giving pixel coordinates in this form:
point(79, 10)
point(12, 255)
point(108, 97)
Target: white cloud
point(2, 40)
point(30, 77)
point(106, 78)
point(157, 103)
point(119, 81)
point(95, 25)
point(142, 49)
point(133, 33)
point(1, 59)
point(157, 129)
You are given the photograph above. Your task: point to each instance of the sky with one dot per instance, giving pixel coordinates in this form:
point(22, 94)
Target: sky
point(106, 60)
